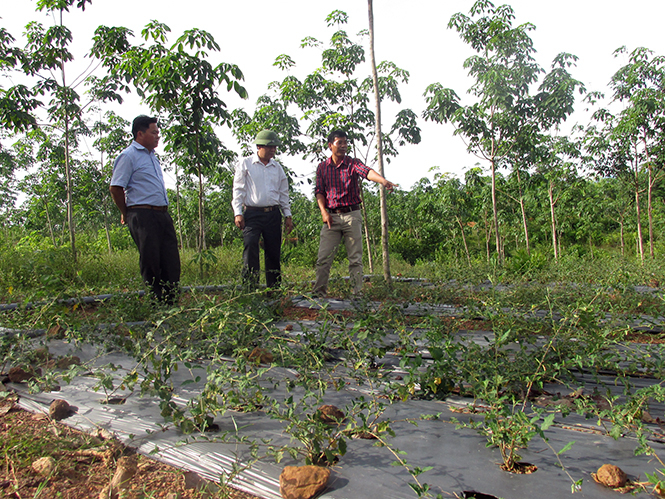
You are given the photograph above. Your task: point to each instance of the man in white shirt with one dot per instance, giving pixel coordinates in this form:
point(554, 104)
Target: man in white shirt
point(261, 187)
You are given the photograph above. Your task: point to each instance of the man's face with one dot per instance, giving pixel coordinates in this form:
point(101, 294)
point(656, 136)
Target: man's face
point(266, 153)
point(150, 138)
point(339, 146)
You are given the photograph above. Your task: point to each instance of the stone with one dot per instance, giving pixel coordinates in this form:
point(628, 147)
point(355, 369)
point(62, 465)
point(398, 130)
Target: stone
point(122, 330)
point(44, 465)
point(56, 331)
point(59, 409)
point(611, 476)
point(124, 472)
point(66, 362)
point(102, 434)
point(42, 354)
point(193, 481)
point(303, 482)
point(331, 414)
point(20, 375)
point(260, 355)
point(108, 493)
point(203, 486)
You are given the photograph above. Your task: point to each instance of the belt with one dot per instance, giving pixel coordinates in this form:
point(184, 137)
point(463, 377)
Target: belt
point(259, 208)
point(148, 207)
point(344, 209)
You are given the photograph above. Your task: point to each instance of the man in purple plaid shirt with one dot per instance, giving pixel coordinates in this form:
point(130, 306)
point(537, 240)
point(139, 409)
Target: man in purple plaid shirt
point(338, 196)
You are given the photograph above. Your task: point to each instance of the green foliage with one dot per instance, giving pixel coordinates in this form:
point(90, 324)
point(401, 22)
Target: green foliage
point(506, 116)
point(509, 430)
point(332, 96)
point(180, 81)
point(570, 243)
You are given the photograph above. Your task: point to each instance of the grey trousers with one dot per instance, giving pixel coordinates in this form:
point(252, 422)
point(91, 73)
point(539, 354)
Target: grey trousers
point(349, 227)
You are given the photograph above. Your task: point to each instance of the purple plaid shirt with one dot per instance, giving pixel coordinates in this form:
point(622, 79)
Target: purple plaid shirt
point(339, 184)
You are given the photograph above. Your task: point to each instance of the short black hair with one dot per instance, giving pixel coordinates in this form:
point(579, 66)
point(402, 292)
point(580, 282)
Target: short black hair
point(141, 123)
point(336, 134)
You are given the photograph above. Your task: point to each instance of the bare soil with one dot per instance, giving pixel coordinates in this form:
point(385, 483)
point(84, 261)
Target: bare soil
point(84, 464)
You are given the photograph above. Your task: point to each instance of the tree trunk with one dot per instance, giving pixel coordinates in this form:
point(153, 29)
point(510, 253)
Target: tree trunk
point(105, 207)
point(68, 173)
point(638, 210)
point(106, 228)
point(550, 190)
point(523, 209)
point(651, 180)
point(70, 199)
point(466, 248)
point(650, 184)
point(495, 215)
point(488, 235)
point(177, 205)
point(621, 235)
point(50, 225)
point(379, 147)
point(638, 214)
point(202, 235)
point(370, 259)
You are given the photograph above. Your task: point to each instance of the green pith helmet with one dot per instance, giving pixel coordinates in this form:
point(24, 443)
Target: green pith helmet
point(267, 138)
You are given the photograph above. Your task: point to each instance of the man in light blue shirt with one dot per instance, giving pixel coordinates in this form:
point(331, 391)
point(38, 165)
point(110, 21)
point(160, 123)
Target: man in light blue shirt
point(138, 190)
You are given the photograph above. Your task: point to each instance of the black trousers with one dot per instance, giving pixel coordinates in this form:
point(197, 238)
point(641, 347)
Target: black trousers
point(159, 258)
point(269, 225)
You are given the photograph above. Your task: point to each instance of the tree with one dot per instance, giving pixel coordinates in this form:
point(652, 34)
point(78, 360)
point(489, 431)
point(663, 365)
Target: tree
point(560, 173)
point(270, 114)
point(379, 146)
point(18, 102)
point(609, 202)
point(505, 70)
point(516, 189)
point(613, 151)
point(112, 138)
point(419, 231)
point(479, 188)
point(639, 87)
point(42, 155)
point(46, 59)
point(334, 97)
point(180, 81)
point(456, 201)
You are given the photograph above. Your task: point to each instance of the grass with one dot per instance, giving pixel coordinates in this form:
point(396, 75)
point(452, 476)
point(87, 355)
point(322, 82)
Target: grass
point(522, 355)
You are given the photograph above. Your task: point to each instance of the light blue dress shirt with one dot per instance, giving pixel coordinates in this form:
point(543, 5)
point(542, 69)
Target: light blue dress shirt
point(139, 173)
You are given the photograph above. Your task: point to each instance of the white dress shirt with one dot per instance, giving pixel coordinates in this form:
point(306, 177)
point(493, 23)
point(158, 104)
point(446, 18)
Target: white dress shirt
point(259, 185)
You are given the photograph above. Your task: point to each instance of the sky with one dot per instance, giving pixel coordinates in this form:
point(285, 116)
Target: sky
point(413, 35)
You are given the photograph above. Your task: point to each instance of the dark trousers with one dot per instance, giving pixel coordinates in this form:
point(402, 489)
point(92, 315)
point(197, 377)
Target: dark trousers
point(159, 259)
point(269, 225)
